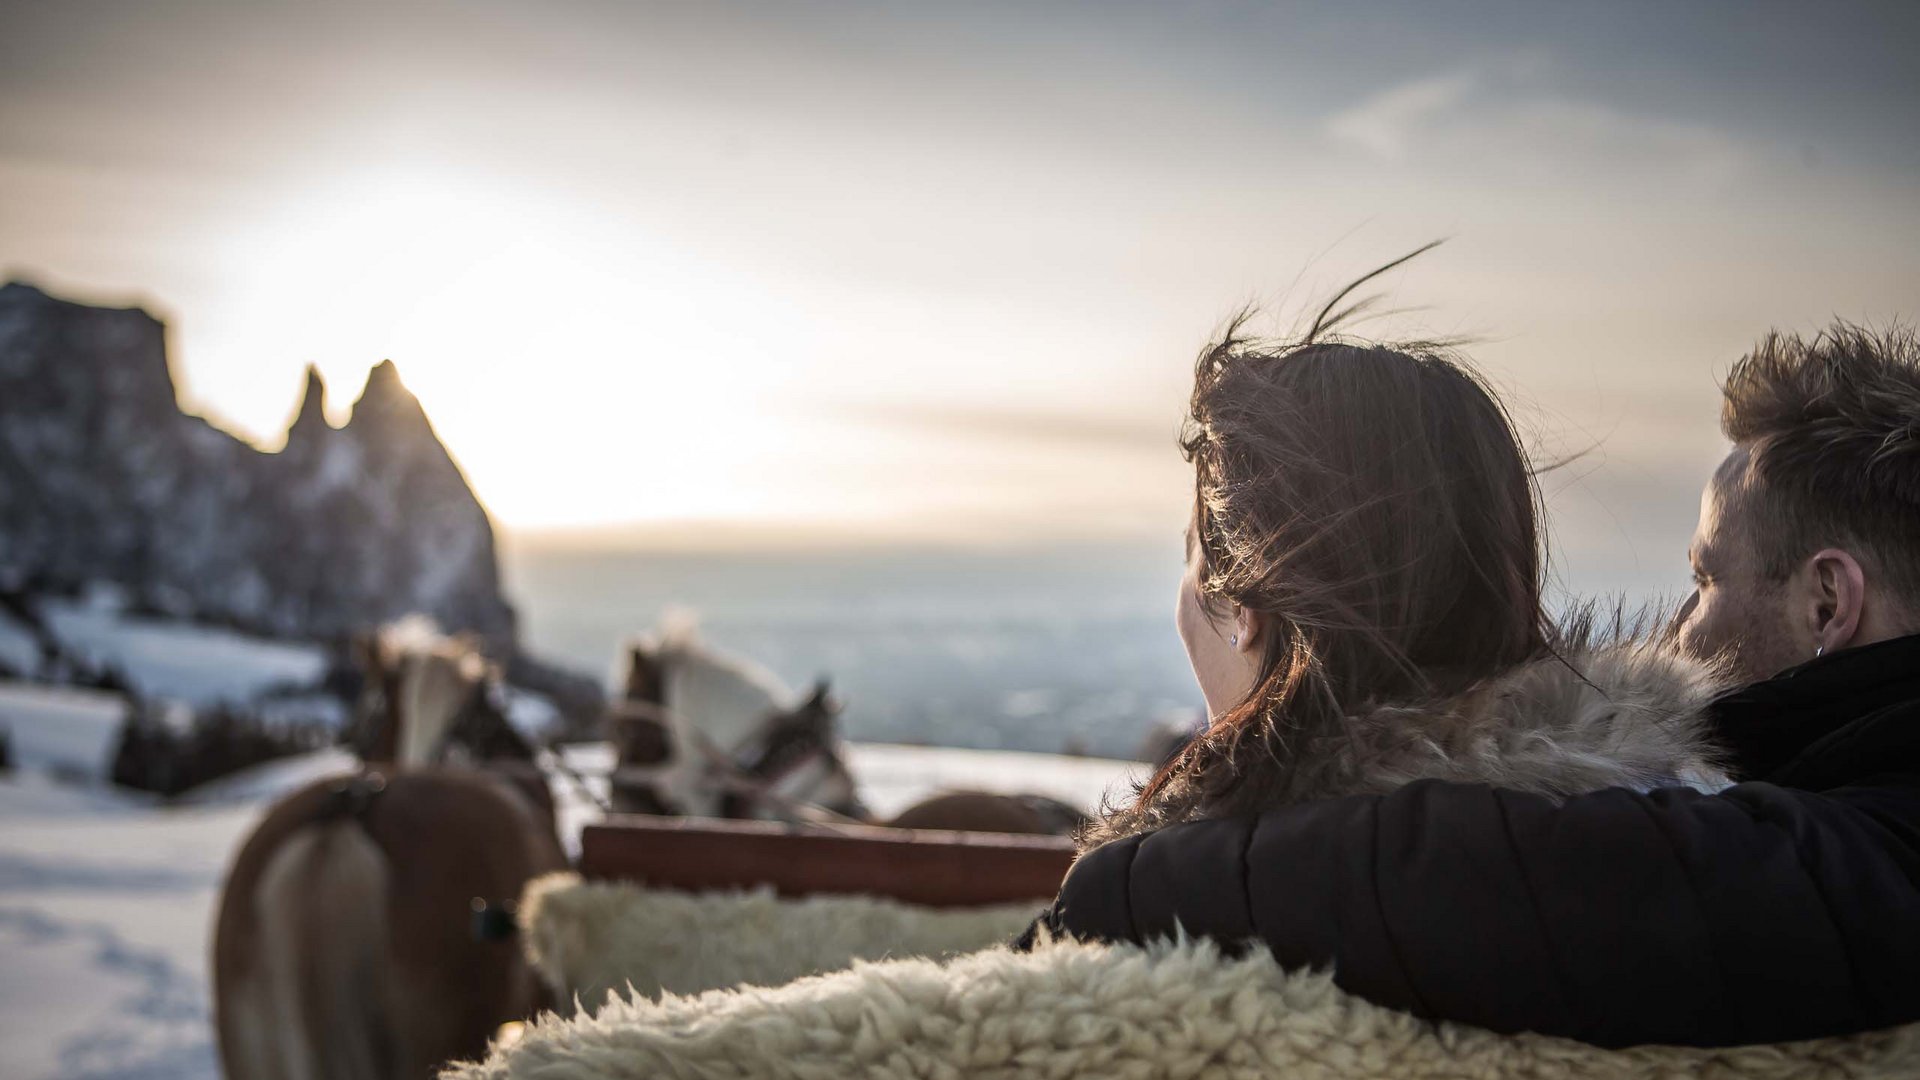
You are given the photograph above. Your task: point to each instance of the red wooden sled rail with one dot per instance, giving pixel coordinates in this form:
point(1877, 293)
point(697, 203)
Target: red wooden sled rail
point(916, 866)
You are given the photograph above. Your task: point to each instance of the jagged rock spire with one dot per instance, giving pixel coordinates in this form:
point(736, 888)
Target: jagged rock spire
point(313, 400)
point(311, 419)
point(386, 404)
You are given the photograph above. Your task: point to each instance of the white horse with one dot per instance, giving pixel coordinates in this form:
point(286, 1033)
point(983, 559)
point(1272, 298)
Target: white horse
point(701, 733)
point(705, 734)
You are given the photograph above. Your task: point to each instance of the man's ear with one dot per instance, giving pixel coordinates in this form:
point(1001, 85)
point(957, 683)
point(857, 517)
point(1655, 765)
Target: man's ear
point(1838, 599)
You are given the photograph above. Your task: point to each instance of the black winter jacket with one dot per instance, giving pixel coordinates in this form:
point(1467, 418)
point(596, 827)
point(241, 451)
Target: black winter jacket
point(1785, 907)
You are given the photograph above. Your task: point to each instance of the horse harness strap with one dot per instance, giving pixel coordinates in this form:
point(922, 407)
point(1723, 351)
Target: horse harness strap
point(352, 796)
point(730, 774)
point(494, 922)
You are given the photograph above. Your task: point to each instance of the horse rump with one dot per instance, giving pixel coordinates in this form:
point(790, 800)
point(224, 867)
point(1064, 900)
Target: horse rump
point(310, 1001)
point(345, 945)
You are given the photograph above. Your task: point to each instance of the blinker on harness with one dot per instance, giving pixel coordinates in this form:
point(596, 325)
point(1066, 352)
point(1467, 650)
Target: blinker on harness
point(494, 922)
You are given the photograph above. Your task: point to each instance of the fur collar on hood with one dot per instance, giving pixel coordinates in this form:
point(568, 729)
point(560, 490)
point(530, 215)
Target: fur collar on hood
point(1626, 713)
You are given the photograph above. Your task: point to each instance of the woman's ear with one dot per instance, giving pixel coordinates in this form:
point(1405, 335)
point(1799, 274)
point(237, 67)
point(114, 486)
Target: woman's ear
point(1248, 625)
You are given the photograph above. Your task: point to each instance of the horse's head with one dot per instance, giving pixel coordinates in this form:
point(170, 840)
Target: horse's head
point(426, 697)
point(697, 732)
point(482, 730)
point(645, 679)
point(373, 734)
point(643, 754)
point(795, 760)
point(642, 735)
point(792, 734)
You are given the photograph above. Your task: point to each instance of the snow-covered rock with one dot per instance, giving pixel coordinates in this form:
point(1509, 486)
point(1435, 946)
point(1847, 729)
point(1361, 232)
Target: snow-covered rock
point(199, 665)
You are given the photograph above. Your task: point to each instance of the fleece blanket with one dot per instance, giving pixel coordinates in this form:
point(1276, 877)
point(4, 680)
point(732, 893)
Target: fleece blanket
point(589, 939)
point(1067, 1009)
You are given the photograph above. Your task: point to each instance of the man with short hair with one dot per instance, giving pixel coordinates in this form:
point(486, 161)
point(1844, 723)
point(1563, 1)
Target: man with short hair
point(1809, 536)
point(1785, 907)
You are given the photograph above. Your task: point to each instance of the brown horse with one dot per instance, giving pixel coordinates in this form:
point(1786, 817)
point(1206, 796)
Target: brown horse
point(983, 811)
point(358, 933)
point(699, 733)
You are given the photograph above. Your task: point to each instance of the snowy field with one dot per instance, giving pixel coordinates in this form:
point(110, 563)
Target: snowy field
point(104, 918)
point(893, 778)
point(60, 730)
point(107, 900)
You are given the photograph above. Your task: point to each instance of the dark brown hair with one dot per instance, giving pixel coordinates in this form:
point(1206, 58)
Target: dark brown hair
point(1832, 432)
point(1374, 504)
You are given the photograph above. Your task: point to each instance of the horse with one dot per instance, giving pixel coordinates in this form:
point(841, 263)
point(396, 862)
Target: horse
point(699, 733)
point(985, 811)
point(426, 699)
point(359, 933)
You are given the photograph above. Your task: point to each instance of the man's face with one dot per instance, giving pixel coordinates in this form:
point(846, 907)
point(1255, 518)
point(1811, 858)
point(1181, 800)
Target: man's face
point(1734, 611)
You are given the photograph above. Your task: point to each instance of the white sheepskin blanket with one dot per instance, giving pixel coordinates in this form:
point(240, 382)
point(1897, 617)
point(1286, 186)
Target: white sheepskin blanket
point(1081, 1010)
point(589, 939)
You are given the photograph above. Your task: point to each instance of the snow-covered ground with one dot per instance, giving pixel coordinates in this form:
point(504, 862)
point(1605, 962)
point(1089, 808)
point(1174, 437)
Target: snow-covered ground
point(893, 777)
point(60, 730)
point(107, 901)
point(104, 909)
point(19, 650)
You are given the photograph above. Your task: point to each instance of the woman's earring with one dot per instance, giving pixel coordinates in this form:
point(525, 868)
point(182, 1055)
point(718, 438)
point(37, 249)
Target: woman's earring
point(1819, 651)
point(1234, 641)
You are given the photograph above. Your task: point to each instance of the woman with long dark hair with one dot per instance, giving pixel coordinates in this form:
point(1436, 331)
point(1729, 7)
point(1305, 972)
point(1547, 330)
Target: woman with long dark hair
point(1363, 590)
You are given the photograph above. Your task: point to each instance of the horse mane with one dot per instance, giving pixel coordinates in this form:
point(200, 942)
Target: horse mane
point(419, 636)
point(435, 677)
point(715, 704)
point(676, 644)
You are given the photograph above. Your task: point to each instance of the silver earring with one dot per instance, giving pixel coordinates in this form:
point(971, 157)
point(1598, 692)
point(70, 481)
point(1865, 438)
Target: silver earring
point(1819, 651)
point(1234, 640)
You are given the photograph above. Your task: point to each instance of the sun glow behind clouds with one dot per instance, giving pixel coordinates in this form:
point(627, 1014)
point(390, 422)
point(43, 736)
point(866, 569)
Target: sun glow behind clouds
point(536, 333)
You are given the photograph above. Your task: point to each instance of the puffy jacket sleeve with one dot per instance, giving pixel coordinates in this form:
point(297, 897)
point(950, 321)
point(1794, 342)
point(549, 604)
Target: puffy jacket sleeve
point(1760, 914)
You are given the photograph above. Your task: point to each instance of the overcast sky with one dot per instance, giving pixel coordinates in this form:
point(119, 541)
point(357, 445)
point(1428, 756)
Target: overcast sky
point(937, 272)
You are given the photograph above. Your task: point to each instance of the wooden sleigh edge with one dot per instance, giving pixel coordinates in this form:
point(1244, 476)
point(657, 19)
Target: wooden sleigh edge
point(930, 868)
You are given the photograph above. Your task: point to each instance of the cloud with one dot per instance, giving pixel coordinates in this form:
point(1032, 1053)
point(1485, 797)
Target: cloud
point(1385, 124)
point(1507, 112)
point(1562, 128)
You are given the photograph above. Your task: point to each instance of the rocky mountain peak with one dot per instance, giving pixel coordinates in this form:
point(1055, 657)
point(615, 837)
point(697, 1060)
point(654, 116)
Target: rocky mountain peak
point(384, 385)
point(128, 372)
point(104, 479)
point(310, 421)
point(387, 409)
